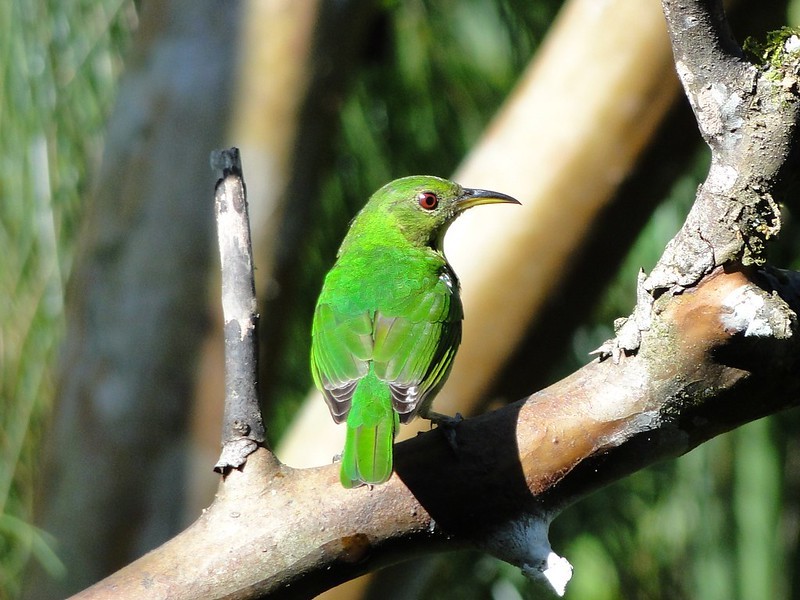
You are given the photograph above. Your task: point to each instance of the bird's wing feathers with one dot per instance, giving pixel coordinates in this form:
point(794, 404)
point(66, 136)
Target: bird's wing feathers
point(339, 353)
point(411, 345)
point(413, 353)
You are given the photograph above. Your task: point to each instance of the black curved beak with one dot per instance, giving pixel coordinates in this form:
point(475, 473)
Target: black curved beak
point(473, 197)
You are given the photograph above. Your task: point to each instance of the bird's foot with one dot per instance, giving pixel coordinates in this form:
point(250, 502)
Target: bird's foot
point(447, 425)
point(445, 421)
point(337, 458)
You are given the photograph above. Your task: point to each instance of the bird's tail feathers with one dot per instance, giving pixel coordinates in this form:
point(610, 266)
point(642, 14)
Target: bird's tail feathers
point(371, 427)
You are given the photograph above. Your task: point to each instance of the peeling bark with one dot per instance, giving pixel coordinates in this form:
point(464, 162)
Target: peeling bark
point(243, 426)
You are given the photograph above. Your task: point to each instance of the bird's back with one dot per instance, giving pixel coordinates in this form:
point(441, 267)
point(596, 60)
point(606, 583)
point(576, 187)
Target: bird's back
point(395, 308)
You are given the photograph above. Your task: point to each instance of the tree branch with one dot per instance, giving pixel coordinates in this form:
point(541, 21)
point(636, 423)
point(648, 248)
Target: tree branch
point(749, 123)
point(748, 116)
point(298, 532)
point(243, 426)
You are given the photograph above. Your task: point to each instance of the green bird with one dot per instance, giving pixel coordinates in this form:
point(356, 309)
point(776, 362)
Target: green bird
point(388, 320)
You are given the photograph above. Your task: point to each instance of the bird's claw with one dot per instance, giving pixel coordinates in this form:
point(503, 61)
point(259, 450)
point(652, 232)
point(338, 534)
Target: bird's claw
point(447, 425)
point(337, 458)
point(446, 421)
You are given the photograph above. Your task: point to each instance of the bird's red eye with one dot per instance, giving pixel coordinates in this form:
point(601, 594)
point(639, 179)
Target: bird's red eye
point(428, 200)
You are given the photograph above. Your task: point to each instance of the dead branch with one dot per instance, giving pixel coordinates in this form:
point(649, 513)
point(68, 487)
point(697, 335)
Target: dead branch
point(243, 426)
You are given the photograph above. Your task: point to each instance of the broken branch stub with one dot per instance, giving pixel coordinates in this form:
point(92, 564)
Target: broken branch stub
point(243, 426)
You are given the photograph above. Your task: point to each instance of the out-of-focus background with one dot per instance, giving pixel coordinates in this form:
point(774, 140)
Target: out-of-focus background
point(110, 344)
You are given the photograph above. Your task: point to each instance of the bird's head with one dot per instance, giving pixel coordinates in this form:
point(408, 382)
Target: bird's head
point(421, 207)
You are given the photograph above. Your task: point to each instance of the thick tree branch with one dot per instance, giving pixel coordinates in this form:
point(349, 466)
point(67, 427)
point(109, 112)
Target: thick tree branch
point(295, 533)
point(701, 38)
point(749, 121)
point(748, 116)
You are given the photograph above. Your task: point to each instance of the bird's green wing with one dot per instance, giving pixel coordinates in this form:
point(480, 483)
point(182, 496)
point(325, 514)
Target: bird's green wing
point(341, 347)
point(414, 351)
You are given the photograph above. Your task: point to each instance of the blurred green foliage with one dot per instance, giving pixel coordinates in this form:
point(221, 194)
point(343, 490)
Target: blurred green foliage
point(721, 522)
point(60, 62)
